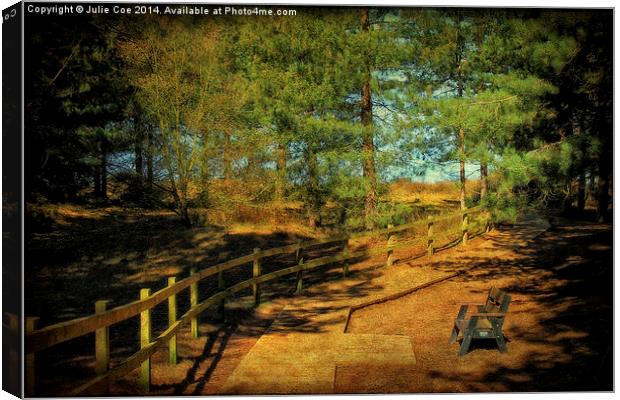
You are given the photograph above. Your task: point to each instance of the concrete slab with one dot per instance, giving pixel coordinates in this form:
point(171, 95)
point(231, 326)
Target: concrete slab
point(373, 378)
point(289, 363)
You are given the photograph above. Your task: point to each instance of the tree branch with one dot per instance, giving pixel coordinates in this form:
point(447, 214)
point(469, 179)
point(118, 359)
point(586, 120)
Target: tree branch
point(65, 63)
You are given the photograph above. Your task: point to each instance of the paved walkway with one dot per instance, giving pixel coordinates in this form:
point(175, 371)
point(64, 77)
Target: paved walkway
point(306, 350)
point(306, 344)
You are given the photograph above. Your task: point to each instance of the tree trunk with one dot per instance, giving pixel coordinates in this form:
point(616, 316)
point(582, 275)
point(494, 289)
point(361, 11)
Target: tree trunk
point(568, 199)
point(461, 146)
point(137, 149)
point(484, 167)
point(484, 180)
point(368, 150)
point(459, 59)
point(603, 188)
point(227, 157)
point(281, 172)
point(97, 181)
point(604, 127)
point(314, 193)
point(462, 167)
point(581, 191)
point(592, 186)
point(149, 158)
point(180, 201)
point(573, 128)
point(252, 165)
point(184, 210)
point(104, 169)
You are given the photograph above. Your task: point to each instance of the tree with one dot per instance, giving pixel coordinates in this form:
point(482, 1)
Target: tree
point(444, 39)
point(74, 89)
point(471, 92)
point(300, 72)
point(377, 56)
point(368, 146)
point(586, 84)
point(179, 86)
point(570, 51)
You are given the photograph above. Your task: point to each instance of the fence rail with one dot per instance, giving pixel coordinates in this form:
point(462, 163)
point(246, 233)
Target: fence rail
point(39, 339)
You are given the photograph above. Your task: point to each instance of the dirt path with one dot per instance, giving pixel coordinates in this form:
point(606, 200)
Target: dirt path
point(304, 350)
point(559, 324)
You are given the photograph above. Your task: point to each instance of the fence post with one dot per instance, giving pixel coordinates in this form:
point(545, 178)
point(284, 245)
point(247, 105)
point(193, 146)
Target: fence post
point(298, 252)
point(429, 235)
point(30, 378)
point(145, 340)
point(172, 318)
point(102, 344)
point(221, 286)
point(299, 279)
point(193, 300)
point(345, 253)
point(299, 283)
point(256, 272)
point(390, 253)
point(465, 223)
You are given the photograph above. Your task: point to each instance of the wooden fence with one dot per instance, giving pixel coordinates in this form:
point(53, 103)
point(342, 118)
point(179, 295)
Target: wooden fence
point(38, 339)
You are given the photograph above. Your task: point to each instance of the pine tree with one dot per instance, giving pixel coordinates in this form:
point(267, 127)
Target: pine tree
point(74, 89)
point(474, 96)
point(299, 70)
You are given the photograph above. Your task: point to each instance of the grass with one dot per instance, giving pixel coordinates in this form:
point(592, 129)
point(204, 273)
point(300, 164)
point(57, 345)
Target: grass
point(437, 195)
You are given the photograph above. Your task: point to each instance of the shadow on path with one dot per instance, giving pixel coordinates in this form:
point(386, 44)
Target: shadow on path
point(559, 327)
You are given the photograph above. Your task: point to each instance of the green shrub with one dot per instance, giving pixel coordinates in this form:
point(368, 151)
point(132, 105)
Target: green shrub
point(505, 208)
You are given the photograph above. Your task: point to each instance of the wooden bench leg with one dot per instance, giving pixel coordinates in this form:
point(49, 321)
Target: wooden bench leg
point(465, 343)
point(456, 330)
point(467, 335)
point(455, 334)
point(501, 343)
point(499, 336)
